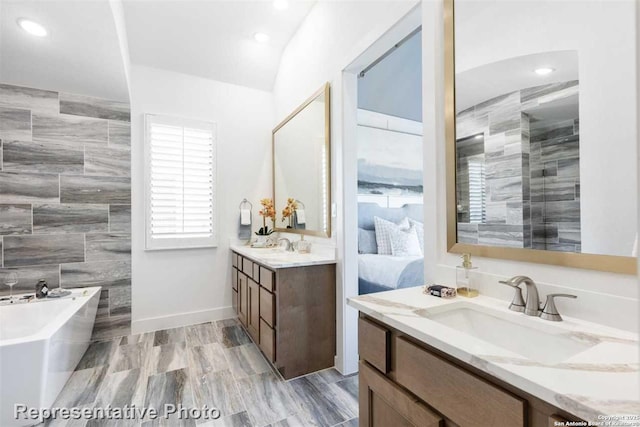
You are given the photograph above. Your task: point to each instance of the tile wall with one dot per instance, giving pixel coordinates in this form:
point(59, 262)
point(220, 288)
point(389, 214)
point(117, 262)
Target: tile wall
point(526, 204)
point(555, 185)
point(65, 197)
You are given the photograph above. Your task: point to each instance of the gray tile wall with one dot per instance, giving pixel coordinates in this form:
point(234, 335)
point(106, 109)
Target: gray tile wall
point(555, 185)
point(505, 147)
point(65, 197)
point(531, 168)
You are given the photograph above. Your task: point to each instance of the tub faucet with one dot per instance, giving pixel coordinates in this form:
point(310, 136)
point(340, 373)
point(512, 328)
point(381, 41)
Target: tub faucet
point(532, 303)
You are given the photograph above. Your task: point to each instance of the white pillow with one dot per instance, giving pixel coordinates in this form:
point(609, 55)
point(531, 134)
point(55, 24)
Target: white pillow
point(382, 227)
point(405, 243)
point(419, 232)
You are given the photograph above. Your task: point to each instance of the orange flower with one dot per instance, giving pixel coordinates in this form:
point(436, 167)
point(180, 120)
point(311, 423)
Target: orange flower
point(289, 209)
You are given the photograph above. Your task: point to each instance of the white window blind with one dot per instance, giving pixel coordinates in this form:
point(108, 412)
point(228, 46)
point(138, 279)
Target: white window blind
point(477, 202)
point(180, 185)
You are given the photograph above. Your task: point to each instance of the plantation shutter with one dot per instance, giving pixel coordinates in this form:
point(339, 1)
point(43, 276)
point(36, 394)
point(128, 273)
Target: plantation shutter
point(477, 203)
point(181, 183)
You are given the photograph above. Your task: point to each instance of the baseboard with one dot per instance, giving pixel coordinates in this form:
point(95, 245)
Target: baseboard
point(182, 319)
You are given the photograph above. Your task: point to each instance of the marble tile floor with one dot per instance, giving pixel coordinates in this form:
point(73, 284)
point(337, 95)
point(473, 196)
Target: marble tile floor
point(214, 364)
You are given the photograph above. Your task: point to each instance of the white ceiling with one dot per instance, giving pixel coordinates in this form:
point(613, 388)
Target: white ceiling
point(212, 39)
point(80, 55)
point(482, 83)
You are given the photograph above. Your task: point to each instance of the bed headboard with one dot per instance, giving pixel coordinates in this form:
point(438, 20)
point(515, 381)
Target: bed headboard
point(366, 212)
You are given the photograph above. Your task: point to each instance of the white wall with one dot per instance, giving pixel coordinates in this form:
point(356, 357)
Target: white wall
point(179, 287)
point(606, 298)
point(607, 94)
point(638, 133)
point(330, 38)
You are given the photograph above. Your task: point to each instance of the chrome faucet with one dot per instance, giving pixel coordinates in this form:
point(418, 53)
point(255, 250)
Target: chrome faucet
point(289, 247)
point(532, 304)
point(550, 312)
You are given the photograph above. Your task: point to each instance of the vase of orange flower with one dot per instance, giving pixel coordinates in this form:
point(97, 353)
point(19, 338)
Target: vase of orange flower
point(288, 211)
point(267, 211)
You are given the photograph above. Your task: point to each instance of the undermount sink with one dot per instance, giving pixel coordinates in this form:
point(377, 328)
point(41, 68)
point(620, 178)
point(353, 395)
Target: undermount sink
point(545, 344)
point(275, 252)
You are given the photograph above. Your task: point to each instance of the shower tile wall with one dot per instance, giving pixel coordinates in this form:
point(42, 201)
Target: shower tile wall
point(505, 148)
point(515, 152)
point(555, 185)
point(65, 197)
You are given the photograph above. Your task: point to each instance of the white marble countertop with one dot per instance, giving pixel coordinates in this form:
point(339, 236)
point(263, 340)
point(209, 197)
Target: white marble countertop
point(279, 258)
point(599, 381)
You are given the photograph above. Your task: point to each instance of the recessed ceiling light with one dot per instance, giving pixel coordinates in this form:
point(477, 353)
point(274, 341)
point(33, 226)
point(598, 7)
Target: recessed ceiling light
point(261, 37)
point(543, 71)
point(480, 136)
point(281, 4)
point(32, 27)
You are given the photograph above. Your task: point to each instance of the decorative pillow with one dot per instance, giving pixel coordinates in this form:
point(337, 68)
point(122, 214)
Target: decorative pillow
point(419, 232)
point(382, 227)
point(367, 241)
point(404, 243)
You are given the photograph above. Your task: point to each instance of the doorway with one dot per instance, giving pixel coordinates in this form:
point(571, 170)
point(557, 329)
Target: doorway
point(408, 26)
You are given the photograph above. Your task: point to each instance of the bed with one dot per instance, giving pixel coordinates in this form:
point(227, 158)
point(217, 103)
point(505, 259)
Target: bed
point(377, 273)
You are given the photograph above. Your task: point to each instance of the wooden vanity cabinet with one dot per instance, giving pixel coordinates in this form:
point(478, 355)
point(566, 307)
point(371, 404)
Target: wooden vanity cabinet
point(288, 312)
point(418, 379)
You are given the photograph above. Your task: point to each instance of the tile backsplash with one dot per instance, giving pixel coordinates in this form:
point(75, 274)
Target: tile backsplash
point(65, 197)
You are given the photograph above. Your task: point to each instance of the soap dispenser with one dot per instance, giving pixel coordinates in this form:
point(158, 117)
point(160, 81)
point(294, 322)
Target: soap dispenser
point(464, 278)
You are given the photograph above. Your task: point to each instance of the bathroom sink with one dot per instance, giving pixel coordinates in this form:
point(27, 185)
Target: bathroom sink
point(515, 332)
point(276, 253)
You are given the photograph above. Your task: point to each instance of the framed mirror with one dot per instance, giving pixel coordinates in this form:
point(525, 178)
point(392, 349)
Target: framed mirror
point(301, 168)
point(541, 132)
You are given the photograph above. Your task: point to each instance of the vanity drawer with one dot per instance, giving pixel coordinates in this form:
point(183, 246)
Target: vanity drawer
point(462, 397)
point(234, 259)
point(247, 267)
point(266, 279)
point(267, 306)
point(267, 341)
point(234, 279)
point(373, 344)
point(385, 404)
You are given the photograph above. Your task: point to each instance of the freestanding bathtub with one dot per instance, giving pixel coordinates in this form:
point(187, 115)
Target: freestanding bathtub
point(41, 343)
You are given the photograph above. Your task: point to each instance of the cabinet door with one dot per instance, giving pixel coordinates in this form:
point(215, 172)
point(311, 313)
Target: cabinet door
point(384, 404)
point(243, 303)
point(253, 322)
point(234, 301)
point(267, 341)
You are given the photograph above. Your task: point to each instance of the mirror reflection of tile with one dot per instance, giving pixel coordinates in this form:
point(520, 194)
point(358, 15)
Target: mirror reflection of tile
point(518, 179)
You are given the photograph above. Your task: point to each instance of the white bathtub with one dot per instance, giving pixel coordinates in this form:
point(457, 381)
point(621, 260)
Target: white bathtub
point(41, 343)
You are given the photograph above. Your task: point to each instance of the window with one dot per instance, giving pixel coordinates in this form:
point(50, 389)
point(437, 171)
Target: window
point(477, 202)
point(180, 183)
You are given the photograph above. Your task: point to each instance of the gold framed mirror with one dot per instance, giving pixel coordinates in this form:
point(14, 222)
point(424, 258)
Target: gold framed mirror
point(523, 134)
point(302, 168)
